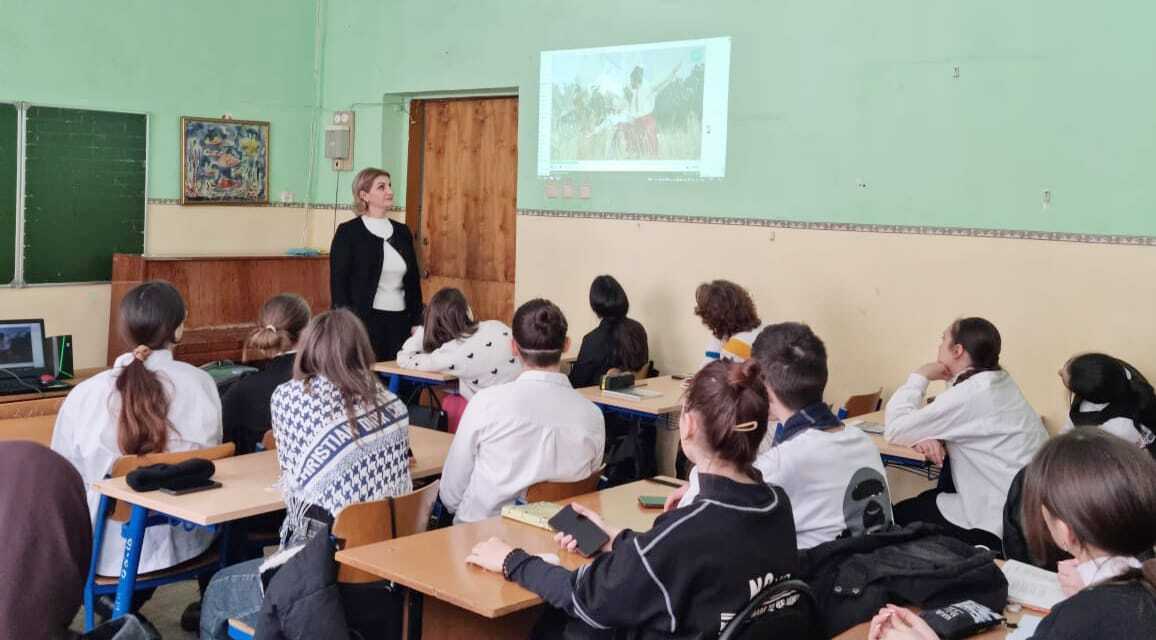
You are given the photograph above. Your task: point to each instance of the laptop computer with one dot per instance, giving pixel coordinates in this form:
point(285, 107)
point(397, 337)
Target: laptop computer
point(22, 356)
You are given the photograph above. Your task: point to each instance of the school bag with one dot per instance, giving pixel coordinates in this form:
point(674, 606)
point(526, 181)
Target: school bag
point(852, 578)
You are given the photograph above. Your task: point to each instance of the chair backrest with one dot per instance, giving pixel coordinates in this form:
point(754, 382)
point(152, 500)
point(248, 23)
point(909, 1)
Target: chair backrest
point(365, 523)
point(127, 464)
point(555, 491)
point(269, 441)
point(863, 404)
point(783, 610)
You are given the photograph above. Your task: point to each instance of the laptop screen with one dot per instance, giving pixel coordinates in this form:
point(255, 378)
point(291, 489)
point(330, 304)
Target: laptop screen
point(22, 345)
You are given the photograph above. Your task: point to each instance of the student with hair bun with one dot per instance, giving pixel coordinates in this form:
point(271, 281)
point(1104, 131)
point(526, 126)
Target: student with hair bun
point(982, 421)
point(1113, 395)
point(1089, 495)
point(700, 564)
point(534, 429)
point(146, 403)
point(833, 474)
point(246, 404)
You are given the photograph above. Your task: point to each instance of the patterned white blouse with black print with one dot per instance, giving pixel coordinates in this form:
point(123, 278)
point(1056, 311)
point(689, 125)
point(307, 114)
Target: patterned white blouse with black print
point(481, 360)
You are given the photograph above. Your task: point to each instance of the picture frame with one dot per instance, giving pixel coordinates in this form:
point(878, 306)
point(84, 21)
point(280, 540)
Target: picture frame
point(224, 161)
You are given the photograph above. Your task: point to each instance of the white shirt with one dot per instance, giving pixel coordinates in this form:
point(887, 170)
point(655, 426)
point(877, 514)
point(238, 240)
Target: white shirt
point(390, 294)
point(481, 360)
point(989, 430)
point(1105, 568)
point(816, 469)
point(1120, 427)
point(86, 434)
point(736, 348)
point(534, 429)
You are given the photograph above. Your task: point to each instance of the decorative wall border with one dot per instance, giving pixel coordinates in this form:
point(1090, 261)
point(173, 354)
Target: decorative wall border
point(1006, 234)
point(275, 205)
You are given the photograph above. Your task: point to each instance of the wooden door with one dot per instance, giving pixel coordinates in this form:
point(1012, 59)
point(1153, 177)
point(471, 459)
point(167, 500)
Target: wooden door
point(464, 163)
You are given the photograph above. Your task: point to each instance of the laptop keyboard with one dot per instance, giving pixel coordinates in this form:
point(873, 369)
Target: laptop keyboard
point(10, 386)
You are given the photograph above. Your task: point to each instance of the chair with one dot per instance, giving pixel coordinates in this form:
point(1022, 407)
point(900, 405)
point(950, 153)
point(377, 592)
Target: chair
point(365, 523)
point(783, 610)
point(556, 491)
point(863, 404)
point(110, 509)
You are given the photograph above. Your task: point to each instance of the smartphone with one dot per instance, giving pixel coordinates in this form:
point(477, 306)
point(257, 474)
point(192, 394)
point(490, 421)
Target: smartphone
point(590, 537)
point(651, 502)
point(212, 484)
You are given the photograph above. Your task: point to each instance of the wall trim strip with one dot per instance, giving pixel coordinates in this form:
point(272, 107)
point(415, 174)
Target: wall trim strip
point(1009, 234)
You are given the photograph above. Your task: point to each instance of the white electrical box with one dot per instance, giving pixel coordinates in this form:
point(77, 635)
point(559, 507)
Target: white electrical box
point(339, 136)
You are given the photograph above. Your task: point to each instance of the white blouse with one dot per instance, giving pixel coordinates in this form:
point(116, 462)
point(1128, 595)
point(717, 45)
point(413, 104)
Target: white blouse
point(390, 294)
point(481, 360)
point(86, 434)
point(989, 430)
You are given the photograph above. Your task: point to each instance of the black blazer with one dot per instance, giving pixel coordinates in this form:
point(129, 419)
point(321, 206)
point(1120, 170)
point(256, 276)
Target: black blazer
point(355, 259)
point(245, 406)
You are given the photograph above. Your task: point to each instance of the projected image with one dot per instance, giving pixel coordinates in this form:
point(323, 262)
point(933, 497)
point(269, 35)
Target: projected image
point(653, 107)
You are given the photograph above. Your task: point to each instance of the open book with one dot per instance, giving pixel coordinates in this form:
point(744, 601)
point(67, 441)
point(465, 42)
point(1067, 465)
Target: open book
point(1032, 586)
point(535, 514)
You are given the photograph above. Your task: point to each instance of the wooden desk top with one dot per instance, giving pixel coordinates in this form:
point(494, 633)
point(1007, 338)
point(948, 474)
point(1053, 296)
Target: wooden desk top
point(886, 448)
point(37, 429)
point(434, 562)
point(669, 402)
point(81, 376)
point(392, 368)
point(859, 631)
point(249, 483)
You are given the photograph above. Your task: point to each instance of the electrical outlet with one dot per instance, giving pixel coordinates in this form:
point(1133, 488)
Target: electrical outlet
point(287, 197)
point(342, 123)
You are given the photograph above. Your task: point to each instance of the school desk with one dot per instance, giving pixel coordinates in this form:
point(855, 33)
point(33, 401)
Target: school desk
point(398, 373)
point(465, 601)
point(36, 429)
point(248, 488)
point(669, 401)
point(41, 403)
point(859, 631)
point(896, 455)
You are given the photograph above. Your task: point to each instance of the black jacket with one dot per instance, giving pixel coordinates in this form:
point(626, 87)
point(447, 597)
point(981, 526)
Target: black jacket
point(852, 578)
point(696, 568)
point(355, 259)
point(302, 601)
point(245, 406)
point(1121, 611)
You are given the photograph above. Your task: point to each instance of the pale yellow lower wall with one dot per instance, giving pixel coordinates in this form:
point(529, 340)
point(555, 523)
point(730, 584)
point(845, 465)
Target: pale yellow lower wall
point(879, 301)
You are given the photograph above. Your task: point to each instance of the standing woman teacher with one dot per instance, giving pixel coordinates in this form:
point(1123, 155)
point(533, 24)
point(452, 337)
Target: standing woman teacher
point(373, 267)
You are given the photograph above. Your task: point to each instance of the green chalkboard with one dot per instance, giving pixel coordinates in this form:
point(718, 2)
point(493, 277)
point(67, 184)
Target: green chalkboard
point(8, 155)
point(84, 194)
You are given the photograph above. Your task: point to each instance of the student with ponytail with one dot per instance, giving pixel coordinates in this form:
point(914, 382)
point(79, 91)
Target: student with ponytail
point(982, 421)
point(246, 403)
point(618, 342)
point(1113, 395)
point(701, 563)
point(146, 403)
point(1089, 495)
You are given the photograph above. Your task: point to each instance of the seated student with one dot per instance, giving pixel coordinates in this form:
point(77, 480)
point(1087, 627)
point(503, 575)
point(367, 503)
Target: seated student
point(730, 314)
point(1111, 394)
point(246, 404)
point(534, 429)
point(146, 403)
point(617, 342)
point(354, 434)
point(1091, 496)
point(699, 564)
point(982, 420)
point(451, 341)
point(833, 474)
point(45, 543)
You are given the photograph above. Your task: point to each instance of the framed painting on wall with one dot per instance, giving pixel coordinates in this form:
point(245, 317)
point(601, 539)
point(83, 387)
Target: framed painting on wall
point(224, 161)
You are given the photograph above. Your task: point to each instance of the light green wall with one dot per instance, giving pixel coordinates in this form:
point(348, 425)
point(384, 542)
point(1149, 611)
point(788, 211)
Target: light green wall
point(168, 59)
point(1054, 96)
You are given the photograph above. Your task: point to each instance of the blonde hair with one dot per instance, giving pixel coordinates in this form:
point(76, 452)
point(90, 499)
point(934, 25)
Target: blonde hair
point(363, 182)
point(283, 318)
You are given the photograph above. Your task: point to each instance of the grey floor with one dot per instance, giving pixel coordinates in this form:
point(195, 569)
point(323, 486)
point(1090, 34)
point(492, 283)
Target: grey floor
point(164, 610)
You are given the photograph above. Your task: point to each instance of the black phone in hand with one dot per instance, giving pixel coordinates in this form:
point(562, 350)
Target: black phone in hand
point(590, 537)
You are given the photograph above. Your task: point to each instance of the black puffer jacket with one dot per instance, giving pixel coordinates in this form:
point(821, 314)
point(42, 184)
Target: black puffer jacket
point(853, 577)
point(302, 601)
